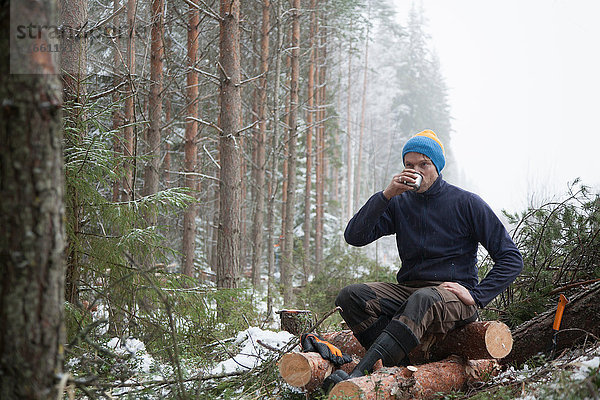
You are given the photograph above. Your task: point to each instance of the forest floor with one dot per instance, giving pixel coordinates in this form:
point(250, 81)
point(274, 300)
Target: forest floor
point(248, 371)
point(573, 374)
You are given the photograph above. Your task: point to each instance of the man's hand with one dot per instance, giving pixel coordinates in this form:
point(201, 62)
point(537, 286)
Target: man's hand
point(397, 187)
point(460, 291)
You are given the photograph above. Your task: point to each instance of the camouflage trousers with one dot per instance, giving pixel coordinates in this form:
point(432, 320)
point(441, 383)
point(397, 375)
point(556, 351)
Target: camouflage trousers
point(406, 311)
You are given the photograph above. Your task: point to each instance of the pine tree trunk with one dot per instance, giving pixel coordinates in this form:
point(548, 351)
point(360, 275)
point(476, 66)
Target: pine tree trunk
point(151, 173)
point(129, 117)
point(117, 115)
point(273, 182)
point(190, 147)
point(349, 155)
point(32, 214)
point(73, 59)
point(322, 161)
point(359, 161)
point(166, 178)
point(288, 257)
point(286, 146)
point(310, 90)
point(228, 240)
point(73, 17)
point(259, 213)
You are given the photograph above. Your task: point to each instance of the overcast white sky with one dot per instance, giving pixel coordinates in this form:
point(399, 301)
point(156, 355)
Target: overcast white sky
point(524, 91)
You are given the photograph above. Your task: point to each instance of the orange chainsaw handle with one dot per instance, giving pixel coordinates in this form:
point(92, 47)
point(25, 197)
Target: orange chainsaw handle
point(562, 302)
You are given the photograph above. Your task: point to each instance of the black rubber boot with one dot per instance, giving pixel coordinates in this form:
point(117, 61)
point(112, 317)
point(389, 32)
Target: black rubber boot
point(333, 379)
point(385, 348)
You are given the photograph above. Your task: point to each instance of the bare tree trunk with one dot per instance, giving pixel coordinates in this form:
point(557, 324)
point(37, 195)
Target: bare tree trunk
point(151, 176)
point(257, 224)
point(190, 147)
point(228, 240)
point(321, 160)
point(288, 257)
point(167, 158)
point(117, 115)
point(32, 214)
point(349, 155)
point(310, 121)
point(128, 131)
point(73, 59)
point(273, 181)
point(73, 17)
point(286, 145)
point(359, 161)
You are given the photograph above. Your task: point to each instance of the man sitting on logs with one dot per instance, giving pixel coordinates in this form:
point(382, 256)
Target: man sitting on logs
point(438, 227)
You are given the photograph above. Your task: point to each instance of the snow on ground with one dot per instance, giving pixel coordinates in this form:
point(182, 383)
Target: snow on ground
point(134, 348)
point(252, 353)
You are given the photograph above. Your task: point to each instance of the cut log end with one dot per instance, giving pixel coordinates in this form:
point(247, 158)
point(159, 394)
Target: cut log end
point(295, 369)
point(346, 390)
point(498, 339)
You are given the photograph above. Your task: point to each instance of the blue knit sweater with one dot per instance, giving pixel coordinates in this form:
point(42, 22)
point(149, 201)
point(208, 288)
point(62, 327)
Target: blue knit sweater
point(437, 233)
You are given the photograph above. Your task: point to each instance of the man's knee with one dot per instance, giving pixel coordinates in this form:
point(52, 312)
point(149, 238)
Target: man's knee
point(420, 302)
point(355, 295)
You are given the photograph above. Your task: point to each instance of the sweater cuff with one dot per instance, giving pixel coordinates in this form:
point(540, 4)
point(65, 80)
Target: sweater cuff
point(382, 196)
point(477, 302)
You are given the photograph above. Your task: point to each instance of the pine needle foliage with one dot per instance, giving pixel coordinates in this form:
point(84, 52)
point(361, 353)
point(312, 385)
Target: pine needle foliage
point(560, 243)
point(121, 260)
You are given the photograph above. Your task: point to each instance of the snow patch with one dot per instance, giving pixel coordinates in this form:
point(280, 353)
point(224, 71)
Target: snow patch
point(252, 353)
point(134, 348)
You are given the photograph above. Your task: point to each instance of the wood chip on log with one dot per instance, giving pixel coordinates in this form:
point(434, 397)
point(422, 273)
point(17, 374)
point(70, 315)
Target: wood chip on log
point(425, 383)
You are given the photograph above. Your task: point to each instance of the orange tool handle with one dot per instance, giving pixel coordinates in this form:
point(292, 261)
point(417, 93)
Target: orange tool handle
point(562, 302)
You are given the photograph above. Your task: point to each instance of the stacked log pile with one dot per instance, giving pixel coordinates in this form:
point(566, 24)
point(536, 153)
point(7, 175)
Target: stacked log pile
point(445, 364)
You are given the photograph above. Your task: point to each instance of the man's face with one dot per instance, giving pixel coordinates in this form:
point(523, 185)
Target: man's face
point(423, 165)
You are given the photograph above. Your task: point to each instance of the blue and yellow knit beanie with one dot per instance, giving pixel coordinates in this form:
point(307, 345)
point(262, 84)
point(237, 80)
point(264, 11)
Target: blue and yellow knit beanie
point(427, 143)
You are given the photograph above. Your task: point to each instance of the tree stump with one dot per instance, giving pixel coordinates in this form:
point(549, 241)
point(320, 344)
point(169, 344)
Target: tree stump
point(296, 322)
